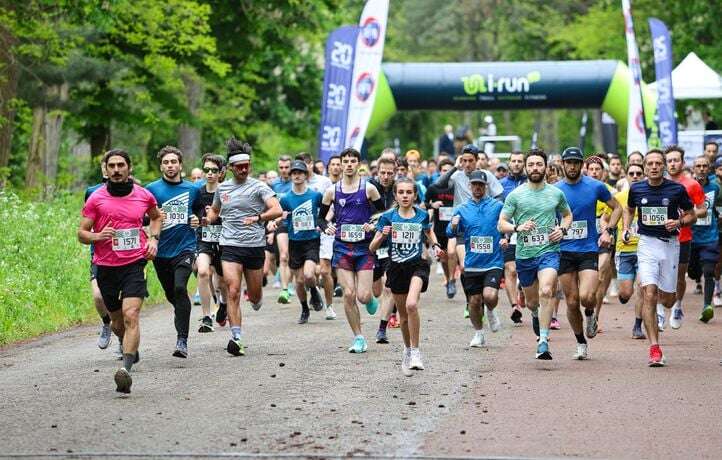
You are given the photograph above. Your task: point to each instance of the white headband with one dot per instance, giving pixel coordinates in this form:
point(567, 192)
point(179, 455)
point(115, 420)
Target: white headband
point(239, 157)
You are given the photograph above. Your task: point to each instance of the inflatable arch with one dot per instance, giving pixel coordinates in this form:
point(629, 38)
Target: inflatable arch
point(505, 86)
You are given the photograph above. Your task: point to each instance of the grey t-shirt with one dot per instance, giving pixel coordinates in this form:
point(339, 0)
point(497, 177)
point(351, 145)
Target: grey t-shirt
point(236, 202)
point(319, 183)
point(462, 188)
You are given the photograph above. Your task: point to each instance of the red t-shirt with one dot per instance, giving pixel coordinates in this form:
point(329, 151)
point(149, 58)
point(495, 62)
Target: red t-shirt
point(125, 215)
point(696, 196)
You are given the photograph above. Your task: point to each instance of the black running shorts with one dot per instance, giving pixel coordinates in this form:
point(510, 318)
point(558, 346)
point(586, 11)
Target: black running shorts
point(118, 283)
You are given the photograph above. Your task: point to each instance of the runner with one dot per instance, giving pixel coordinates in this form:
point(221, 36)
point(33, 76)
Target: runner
point(408, 227)
point(578, 274)
point(658, 202)
point(282, 185)
point(354, 201)
point(440, 202)
point(180, 202)
point(105, 331)
point(244, 204)
point(535, 205)
point(301, 205)
point(197, 175)
point(675, 169)
point(626, 254)
point(334, 174)
point(515, 178)
point(320, 184)
point(705, 239)
point(208, 259)
point(717, 300)
point(483, 266)
point(334, 169)
point(120, 252)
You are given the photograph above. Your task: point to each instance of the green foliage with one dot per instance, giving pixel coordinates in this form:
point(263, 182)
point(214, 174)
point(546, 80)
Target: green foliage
point(44, 270)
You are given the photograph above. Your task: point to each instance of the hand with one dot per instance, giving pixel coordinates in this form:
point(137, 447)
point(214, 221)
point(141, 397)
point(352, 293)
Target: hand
point(368, 227)
point(204, 221)
point(457, 163)
point(163, 215)
point(455, 220)
point(251, 220)
point(269, 239)
point(151, 248)
point(437, 204)
point(440, 253)
point(605, 239)
point(330, 229)
point(504, 243)
point(386, 230)
point(672, 225)
point(556, 235)
point(271, 226)
point(527, 226)
point(107, 233)
point(195, 222)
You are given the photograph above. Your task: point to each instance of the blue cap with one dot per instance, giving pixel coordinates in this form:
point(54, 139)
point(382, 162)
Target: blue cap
point(717, 162)
point(572, 153)
point(470, 148)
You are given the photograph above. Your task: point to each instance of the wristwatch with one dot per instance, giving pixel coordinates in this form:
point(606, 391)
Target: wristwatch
point(515, 228)
point(564, 230)
point(260, 219)
point(611, 230)
point(155, 237)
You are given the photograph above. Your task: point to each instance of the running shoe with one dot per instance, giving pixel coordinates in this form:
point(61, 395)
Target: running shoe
point(698, 288)
point(316, 301)
point(118, 353)
point(197, 299)
point(381, 336)
point(707, 314)
point(592, 326)
point(582, 351)
point(276, 284)
point(516, 315)
point(393, 321)
point(656, 358)
point(717, 300)
point(405, 362)
point(330, 314)
point(256, 306)
point(372, 305)
point(123, 381)
point(675, 322)
point(660, 322)
point(542, 350)
point(415, 362)
point(359, 345)
point(222, 314)
point(451, 289)
point(305, 313)
point(338, 291)
point(181, 348)
point(439, 269)
point(494, 321)
point(283, 296)
point(555, 324)
point(105, 336)
point(291, 289)
point(478, 341)
point(235, 347)
point(466, 312)
point(206, 325)
point(637, 333)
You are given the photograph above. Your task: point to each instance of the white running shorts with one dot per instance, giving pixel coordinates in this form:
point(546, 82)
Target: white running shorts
point(657, 262)
point(326, 251)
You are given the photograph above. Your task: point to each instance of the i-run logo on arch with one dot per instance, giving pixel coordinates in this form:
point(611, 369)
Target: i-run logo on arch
point(491, 84)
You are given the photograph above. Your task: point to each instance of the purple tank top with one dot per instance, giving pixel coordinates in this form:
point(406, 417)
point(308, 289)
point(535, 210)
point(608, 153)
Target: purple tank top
point(351, 209)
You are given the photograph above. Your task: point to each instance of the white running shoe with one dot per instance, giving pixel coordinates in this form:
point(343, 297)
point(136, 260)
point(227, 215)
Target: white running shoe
point(675, 321)
point(717, 300)
point(582, 351)
point(439, 269)
point(494, 321)
point(415, 362)
point(660, 317)
point(118, 353)
point(478, 340)
point(405, 363)
point(330, 314)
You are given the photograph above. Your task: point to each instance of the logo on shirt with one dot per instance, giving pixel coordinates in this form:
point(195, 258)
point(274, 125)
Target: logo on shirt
point(225, 197)
point(665, 201)
point(342, 202)
point(644, 201)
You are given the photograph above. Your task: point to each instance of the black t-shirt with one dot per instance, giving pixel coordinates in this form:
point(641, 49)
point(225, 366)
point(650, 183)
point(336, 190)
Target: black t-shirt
point(446, 196)
point(656, 204)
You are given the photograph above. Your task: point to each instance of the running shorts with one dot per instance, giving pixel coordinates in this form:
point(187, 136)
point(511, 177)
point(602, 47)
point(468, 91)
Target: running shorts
point(250, 258)
point(510, 253)
point(398, 276)
point(684, 252)
point(571, 261)
point(213, 250)
point(282, 227)
point(627, 265)
point(299, 251)
point(527, 269)
point(475, 282)
point(93, 271)
point(326, 251)
point(380, 267)
point(353, 257)
point(658, 261)
point(123, 282)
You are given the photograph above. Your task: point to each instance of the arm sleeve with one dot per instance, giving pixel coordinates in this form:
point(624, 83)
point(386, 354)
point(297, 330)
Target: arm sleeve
point(379, 205)
point(445, 178)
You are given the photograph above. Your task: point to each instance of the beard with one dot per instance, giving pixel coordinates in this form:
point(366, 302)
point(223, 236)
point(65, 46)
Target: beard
point(572, 175)
point(536, 177)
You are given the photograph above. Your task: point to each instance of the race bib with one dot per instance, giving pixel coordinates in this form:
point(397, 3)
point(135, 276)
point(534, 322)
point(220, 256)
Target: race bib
point(446, 213)
point(126, 240)
point(599, 225)
point(352, 233)
point(302, 222)
point(654, 215)
point(211, 233)
point(634, 229)
point(535, 239)
point(578, 230)
point(404, 233)
point(513, 239)
point(707, 220)
point(175, 214)
point(482, 244)
point(382, 252)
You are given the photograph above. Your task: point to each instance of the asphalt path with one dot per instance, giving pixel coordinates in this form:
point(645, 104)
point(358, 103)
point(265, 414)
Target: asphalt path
point(298, 392)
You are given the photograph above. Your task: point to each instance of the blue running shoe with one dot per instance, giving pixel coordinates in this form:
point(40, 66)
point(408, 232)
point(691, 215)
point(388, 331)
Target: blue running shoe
point(542, 351)
point(359, 345)
point(372, 305)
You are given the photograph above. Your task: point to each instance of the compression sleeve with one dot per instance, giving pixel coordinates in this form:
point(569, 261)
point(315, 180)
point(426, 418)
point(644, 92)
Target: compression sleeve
point(379, 205)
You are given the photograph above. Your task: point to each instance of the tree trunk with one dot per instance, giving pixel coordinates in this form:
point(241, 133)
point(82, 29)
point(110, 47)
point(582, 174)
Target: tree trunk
point(9, 72)
point(36, 152)
point(99, 140)
point(53, 126)
point(189, 135)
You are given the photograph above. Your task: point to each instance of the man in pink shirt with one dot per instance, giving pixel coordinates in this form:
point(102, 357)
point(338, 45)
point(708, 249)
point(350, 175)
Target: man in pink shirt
point(116, 212)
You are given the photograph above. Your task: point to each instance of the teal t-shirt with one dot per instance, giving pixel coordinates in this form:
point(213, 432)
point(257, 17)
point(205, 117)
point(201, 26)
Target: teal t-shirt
point(541, 206)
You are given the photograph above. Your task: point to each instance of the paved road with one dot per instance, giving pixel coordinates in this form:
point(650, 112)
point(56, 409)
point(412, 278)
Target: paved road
point(299, 391)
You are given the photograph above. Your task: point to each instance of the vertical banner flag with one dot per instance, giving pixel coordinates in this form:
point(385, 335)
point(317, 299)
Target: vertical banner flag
point(366, 69)
point(337, 75)
point(636, 130)
point(662, 44)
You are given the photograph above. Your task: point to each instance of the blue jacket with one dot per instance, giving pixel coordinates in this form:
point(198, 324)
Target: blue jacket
point(510, 183)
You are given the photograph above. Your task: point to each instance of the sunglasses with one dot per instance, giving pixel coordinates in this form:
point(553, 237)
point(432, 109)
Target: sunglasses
point(636, 174)
point(211, 170)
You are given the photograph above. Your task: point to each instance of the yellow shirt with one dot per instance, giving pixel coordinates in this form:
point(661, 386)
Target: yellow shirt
point(634, 236)
point(603, 209)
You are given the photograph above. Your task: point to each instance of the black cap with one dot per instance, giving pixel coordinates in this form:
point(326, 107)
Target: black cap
point(477, 176)
point(299, 165)
point(572, 153)
point(470, 148)
point(502, 166)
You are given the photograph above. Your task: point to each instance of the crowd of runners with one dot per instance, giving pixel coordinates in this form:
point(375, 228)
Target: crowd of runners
point(539, 227)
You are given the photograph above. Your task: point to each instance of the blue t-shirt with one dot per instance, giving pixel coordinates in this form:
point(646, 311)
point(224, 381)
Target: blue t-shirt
point(178, 201)
point(704, 231)
point(407, 237)
point(302, 218)
point(478, 222)
point(582, 198)
point(656, 204)
point(89, 191)
point(281, 187)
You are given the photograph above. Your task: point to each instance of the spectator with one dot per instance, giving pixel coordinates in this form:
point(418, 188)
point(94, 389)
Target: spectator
point(502, 170)
point(446, 141)
point(319, 168)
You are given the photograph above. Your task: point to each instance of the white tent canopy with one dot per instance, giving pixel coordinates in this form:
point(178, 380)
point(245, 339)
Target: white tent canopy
point(693, 79)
